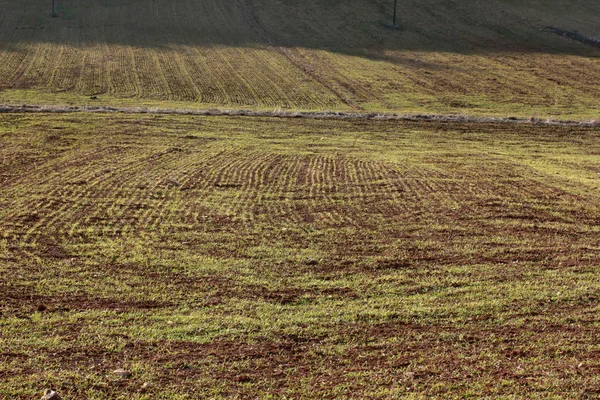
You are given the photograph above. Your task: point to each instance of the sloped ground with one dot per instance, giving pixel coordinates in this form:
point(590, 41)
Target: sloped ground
point(452, 56)
point(229, 257)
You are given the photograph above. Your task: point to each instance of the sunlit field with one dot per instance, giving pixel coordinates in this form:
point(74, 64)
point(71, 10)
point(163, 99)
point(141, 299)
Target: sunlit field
point(218, 257)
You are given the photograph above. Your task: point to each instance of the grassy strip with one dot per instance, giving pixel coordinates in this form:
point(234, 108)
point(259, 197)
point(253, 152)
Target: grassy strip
point(338, 115)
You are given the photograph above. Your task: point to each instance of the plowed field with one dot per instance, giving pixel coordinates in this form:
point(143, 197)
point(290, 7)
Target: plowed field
point(257, 257)
point(452, 56)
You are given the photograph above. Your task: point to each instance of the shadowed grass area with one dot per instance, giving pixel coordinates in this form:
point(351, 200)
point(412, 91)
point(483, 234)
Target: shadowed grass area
point(232, 257)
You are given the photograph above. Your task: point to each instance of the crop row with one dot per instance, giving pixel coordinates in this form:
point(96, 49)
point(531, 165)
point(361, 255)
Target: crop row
point(121, 186)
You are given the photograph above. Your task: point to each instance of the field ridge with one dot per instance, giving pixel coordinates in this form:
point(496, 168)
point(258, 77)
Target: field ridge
point(477, 119)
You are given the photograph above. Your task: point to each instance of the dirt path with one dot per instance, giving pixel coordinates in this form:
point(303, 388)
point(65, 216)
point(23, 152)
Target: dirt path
point(292, 114)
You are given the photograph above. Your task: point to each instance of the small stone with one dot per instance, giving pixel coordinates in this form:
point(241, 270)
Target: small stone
point(122, 373)
point(409, 375)
point(50, 395)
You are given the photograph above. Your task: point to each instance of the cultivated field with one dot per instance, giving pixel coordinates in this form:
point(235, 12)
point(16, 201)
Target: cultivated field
point(257, 257)
point(448, 56)
point(263, 257)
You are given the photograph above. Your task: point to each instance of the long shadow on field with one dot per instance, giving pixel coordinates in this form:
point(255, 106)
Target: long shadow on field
point(355, 27)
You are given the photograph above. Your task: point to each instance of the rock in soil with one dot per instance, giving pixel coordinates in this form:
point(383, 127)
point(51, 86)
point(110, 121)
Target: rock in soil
point(50, 395)
point(122, 373)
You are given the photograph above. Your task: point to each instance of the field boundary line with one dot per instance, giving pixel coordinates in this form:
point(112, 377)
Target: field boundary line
point(4, 108)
